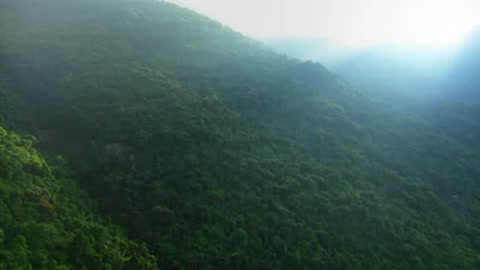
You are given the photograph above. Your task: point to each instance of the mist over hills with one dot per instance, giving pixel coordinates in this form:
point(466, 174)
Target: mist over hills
point(153, 137)
point(419, 72)
point(462, 78)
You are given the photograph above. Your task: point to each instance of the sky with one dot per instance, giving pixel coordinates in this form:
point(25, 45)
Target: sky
point(348, 23)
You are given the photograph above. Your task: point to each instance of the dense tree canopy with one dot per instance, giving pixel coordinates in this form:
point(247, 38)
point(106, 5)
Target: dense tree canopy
point(215, 152)
point(47, 222)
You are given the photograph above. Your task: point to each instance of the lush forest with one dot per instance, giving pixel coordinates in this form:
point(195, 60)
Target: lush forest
point(152, 136)
point(47, 221)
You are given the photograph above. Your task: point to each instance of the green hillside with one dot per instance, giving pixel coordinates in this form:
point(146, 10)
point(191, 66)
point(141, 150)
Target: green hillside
point(48, 223)
point(217, 153)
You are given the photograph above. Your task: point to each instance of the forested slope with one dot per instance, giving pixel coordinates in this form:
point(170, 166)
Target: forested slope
point(48, 223)
point(218, 153)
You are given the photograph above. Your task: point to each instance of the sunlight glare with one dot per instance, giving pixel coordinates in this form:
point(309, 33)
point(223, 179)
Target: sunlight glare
point(353, 23)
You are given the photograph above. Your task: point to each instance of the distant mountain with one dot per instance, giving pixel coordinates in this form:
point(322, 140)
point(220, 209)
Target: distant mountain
point(401, 72)
point(421, 73)
point(212, 151)
point(461, 87)
point(462, 80)
point(404, 72)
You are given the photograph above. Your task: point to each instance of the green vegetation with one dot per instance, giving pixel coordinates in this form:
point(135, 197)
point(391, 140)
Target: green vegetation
point(215, 152)
point(47, 222)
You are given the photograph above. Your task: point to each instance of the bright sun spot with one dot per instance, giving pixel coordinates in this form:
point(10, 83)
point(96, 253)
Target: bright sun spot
point(440, 23)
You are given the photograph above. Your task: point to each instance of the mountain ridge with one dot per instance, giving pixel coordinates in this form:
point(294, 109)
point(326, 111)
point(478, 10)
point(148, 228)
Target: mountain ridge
point(218, 153)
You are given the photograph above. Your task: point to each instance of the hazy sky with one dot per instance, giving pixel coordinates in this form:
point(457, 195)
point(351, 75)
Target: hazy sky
point(347, 22)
